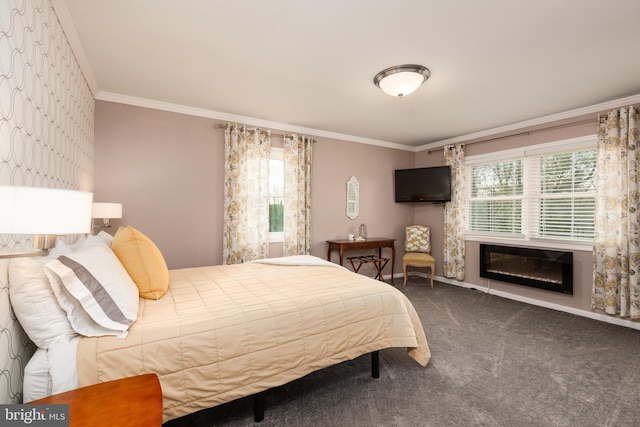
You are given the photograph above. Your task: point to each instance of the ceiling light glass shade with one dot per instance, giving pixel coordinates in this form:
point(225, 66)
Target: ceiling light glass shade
point(106, 210)
point(35, 210)
point(401, 80)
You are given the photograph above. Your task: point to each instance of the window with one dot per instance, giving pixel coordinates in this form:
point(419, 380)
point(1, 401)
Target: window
point(564, 199)
point(543, 192)
point(276, 194)
point(495, 203)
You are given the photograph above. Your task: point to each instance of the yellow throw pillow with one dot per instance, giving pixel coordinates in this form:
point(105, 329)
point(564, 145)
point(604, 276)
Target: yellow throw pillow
point(143, 261)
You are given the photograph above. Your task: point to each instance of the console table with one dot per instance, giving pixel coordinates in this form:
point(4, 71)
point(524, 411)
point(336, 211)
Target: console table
point(378, 243)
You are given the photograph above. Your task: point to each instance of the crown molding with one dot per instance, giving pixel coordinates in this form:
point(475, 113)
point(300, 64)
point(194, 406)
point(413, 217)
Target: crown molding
point(69, 29)
point(68, 26)
point(592, 109)
point(249, 121)
point(285, 127)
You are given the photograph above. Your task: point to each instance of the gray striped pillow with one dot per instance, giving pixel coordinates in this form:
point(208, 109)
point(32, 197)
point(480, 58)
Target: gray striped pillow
point(95, 290)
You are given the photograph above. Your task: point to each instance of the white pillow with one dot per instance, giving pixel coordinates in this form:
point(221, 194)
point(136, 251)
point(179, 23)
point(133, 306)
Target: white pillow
point(94, 289)
point(105, 237)
point(63, 248)
point(37, 381)
point(35, 305)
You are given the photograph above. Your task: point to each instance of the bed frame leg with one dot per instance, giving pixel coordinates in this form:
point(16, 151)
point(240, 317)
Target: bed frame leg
point(375, 364)
point(258, 407)
point(258, 398)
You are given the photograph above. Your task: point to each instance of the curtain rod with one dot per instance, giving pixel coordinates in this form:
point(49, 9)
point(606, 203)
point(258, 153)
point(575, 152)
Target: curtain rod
point(497, 138)
point(280, 135)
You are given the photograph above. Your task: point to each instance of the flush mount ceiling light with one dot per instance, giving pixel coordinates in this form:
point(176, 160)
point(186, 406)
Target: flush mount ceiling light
point(401, 80)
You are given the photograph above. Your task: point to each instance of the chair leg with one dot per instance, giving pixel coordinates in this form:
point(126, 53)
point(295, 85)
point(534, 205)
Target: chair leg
point(431, 275)
point(404, 272)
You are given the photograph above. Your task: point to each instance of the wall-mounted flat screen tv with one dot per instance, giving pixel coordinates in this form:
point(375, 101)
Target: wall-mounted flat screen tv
point(423, 184)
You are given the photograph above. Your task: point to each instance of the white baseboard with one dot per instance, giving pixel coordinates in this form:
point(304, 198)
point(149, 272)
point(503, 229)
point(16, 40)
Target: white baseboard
point(579, 312)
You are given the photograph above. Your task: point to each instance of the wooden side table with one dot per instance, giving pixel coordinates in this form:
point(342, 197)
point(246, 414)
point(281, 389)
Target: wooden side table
point(128, 402)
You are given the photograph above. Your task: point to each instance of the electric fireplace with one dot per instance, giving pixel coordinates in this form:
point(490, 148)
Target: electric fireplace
point(539, 268)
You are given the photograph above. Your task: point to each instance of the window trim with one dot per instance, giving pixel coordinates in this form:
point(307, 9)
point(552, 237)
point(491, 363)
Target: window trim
point(572, 144)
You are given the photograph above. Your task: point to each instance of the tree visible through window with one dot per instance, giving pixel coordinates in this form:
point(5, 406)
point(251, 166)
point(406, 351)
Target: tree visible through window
point(567, 195)
point(276, 193)
point(543, 193)
point(495, 204)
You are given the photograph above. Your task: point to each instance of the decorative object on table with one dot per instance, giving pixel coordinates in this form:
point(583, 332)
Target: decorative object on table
point(353, 198)
point(362, 232)
point(352, 237)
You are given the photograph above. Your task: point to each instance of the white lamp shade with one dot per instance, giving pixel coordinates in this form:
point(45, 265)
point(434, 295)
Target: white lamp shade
point(35, 210)
point(401, 84)
point(106, 210)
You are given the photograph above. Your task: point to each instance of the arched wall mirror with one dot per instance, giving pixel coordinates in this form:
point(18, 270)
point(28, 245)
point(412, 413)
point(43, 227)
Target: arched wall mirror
point(353, 198)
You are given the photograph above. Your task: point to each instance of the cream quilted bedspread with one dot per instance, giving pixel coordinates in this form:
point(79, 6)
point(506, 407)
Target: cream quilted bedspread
point(225, 332)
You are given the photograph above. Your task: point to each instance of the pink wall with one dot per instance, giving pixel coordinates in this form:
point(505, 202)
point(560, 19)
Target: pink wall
point(334, 162)
point(433, 215)
point(167, 171)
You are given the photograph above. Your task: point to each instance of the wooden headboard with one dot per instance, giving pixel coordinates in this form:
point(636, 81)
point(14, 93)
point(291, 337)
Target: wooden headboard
point(15, 347)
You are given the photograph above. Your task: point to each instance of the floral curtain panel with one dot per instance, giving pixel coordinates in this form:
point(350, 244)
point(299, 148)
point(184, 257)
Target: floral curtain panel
point(246, 194)
point(297, 189)
point(616, 249)
point(455, 214)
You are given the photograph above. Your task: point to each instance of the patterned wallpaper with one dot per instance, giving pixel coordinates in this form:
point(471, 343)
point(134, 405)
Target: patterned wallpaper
point(46, 140)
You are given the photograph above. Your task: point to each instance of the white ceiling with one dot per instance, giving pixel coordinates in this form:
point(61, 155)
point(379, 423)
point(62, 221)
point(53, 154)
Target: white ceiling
point(308, 65)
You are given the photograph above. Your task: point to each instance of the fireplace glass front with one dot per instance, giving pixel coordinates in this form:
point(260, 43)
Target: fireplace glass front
point(539, 268)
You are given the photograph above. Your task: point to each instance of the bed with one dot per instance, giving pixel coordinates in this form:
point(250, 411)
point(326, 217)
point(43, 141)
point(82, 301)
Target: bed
point(219, 333)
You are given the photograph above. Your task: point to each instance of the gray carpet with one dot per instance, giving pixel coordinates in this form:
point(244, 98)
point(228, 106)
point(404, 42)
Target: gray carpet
point(495, 362)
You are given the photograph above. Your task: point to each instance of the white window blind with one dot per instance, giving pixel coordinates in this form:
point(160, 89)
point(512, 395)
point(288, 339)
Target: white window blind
point(546, 192)
point(563, 195)
point(496, 198)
